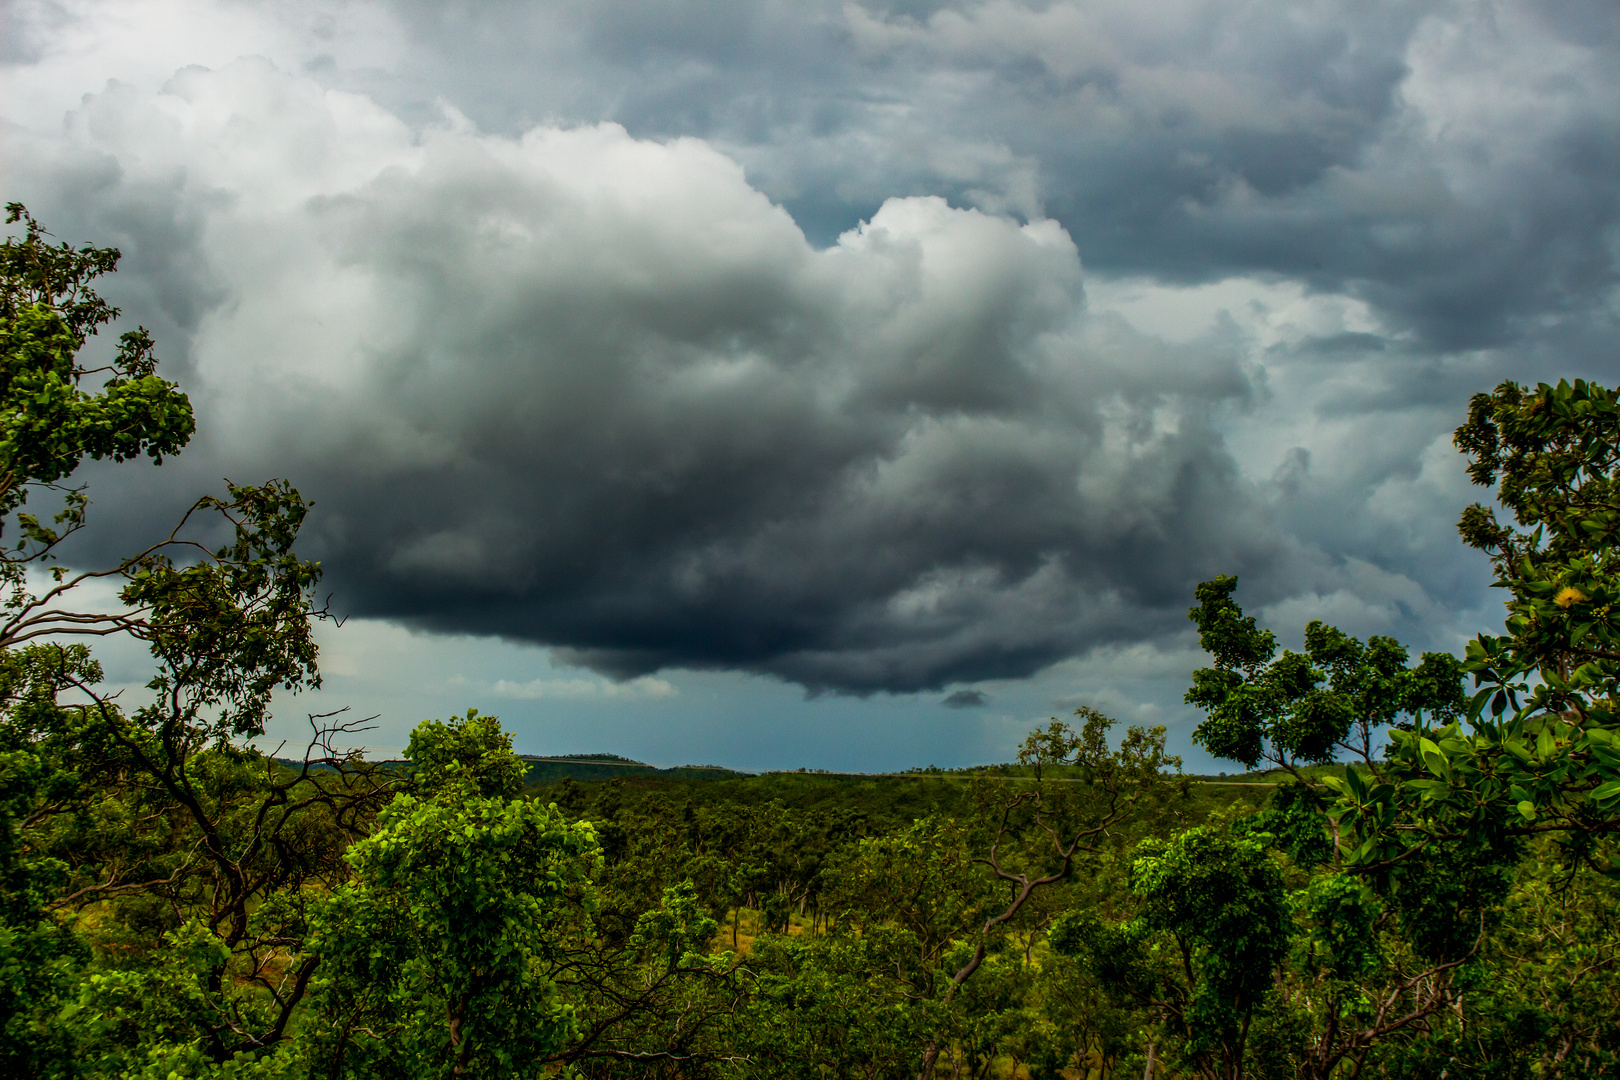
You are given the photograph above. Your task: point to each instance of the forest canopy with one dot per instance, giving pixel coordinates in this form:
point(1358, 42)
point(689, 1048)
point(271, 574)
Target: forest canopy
point(1423, 884)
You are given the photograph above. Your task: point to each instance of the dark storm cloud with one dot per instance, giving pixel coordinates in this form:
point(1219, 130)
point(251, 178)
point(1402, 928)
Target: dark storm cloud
point(601, 394)
point(656, 406)
point(895, 464)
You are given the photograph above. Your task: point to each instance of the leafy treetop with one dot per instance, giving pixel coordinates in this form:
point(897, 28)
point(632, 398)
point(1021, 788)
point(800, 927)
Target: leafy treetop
point(471, 754)
point(229, 624)
point(1306, 707)
point(48, 422)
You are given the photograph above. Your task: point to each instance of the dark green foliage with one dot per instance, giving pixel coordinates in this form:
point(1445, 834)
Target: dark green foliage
point(1341, 916)
point(1296, 818)
point(1221, 899)
point(1449, 897)
point(48, 423)
point(1306, 707)
point(458, 900)
point(470, 756)
point(839, 1006)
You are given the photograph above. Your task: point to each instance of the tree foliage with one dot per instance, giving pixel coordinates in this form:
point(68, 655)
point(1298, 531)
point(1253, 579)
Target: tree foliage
point(1457, 823)
point(1306, 707)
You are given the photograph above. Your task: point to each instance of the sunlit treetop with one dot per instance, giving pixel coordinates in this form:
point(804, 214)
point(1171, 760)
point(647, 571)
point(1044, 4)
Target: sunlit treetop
point(1306, 707)
point(52, 414)
point(1551, 453)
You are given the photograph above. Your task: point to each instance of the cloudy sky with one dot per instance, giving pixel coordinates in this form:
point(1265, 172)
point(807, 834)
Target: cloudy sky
point(847, 385)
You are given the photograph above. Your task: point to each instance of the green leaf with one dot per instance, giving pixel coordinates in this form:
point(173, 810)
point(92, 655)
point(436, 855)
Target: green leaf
point(1545, 745)
point(1429, 789)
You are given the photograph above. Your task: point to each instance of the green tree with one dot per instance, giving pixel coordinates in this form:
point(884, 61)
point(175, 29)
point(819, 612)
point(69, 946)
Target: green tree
point(470, 757)
point(1538, 750)
point(53, 416)
point(1430, 836)
point(1310, 707)
point(1545, 735)
point(1212, 926)
point(433, 957)
point(1038, 833)
point(194, 855)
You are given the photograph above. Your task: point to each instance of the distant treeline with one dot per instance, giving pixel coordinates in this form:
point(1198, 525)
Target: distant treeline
point(548, 769)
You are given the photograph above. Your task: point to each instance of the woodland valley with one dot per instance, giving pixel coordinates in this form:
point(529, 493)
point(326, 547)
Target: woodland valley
point(1412, 875)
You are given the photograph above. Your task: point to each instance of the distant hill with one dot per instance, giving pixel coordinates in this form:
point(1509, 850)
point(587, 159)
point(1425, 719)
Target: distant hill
point(551, 768)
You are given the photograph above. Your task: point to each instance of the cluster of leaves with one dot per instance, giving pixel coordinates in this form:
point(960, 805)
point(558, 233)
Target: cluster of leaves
point(1545, 727)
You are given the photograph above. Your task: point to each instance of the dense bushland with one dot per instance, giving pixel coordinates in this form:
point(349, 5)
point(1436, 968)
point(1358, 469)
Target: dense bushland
point(175, 904)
